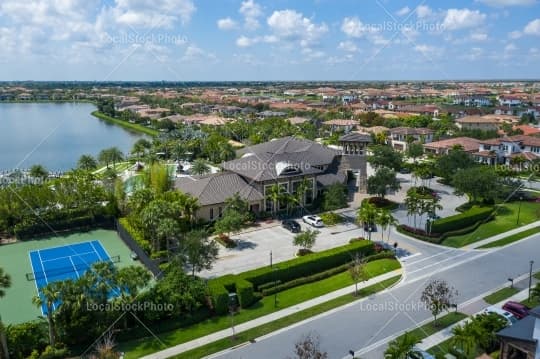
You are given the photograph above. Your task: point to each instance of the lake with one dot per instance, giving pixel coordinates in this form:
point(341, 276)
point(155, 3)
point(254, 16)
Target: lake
point(55, 135)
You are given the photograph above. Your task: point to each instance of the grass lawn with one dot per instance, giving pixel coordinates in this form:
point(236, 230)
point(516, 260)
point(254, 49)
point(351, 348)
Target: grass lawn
point(252, 334)
point(513, 238)
point(443, 322)
point(500, 295)
point(441, 349)
point(128, 125)
point(505, 221)
point(287, 298)
point(533, 303)
point(537, 275)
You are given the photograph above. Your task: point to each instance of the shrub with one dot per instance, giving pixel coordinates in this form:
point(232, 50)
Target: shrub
point(225, 241)
point(22, 338)
point(357, 239)
point(137, 235)
point(458, 221)
point(303, 266)
point(220, 297)
point(331, 218)
point(303, 252)
point(244, 289)
point(382, 203)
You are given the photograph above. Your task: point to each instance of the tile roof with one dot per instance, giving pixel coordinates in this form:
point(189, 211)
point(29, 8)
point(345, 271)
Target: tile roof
point(468, 144)
point(410, 131)
point(216, 188)
point(356, 137)
point(523, 329)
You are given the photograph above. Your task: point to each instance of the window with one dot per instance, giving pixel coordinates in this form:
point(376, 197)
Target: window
point(211, 213)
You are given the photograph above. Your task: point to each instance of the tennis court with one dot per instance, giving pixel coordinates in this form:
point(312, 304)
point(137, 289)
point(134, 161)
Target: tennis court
point(64, 262)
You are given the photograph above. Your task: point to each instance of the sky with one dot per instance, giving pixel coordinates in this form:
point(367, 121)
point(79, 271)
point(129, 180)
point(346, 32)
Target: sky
point(260, 40)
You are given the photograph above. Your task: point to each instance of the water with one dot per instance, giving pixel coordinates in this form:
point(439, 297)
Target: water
point(55, 135)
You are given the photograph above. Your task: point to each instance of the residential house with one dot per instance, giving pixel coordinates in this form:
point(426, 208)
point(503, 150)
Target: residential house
point(522, 339)
point(481, 123)
point(509, 100)
point(345, 126)
point(514, 151)
point(442, 147)
point(400, 137)
point(289, 162)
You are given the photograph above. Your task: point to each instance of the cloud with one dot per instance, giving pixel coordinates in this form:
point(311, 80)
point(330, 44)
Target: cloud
point(251, 12)
point(427, 50)
point(226, 24)
point(403, 11)
point(348, 46)
point(532, 28)
point(457, 19)
point(478, 36)
point(292, 26)
point(154, 14)
point(353, 27)
point(504, 3)
point(515, 34)
point(473, 54)
point(194, 53)
point(423, 11)
point(244, 41)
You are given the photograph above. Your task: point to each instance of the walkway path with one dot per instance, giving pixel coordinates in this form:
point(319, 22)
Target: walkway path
point(267, 318)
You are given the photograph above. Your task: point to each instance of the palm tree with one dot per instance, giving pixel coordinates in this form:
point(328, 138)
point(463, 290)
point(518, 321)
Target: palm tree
point(200, 167)
point(275, 194)
point(300, 195)
point(464, 338)
point(432, 207)
point(402, 347)
point(115, 155)
point(49, 296)
point(385, 219)
point(5, 283)
point(140, 147)
point(87, 163)
point(412, 203)
point(366, 215)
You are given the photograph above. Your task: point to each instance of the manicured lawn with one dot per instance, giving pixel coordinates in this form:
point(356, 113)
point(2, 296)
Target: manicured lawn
point(443, 322)
point(505, 221)
point(287, 298)
point(128, 125)
point(259, 331)
point(537, 275)
point(441, 349)
point(500, 295)
point(513, 238)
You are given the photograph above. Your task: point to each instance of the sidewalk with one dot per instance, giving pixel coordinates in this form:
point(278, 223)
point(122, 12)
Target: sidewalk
point(501, 235)
point(446, 333)
point(222, 334)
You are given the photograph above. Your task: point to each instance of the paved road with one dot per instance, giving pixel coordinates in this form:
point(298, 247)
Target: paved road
point(366, 325)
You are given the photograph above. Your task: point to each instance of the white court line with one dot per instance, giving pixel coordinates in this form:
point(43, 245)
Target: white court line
point(35, 280)
point(99, 256)
point(73, 255)
point(74, 268)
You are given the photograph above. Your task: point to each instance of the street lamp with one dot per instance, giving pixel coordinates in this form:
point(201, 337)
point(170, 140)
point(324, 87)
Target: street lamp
point(519, 209)
point(511, 280)
point(530, 278)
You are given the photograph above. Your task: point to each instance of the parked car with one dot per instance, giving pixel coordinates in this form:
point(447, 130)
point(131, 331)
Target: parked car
point(291, 225)
point(314, 221)
point(503, 313)
point(420, 354)
point(517, 309)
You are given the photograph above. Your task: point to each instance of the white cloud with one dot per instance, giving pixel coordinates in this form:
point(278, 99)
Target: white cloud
point(348, 46)
point(473, 54)
point(457, 19)
point(532, 28)
point(504, 3)
point(510, 48)
point(403, 11)
point(154, 14)
point(478, 36)
point(226, 24)
point(353, 27)
point(244, 41)
point(515, 34)
point(251, 12)
point(194, 53)
point(423, 11)
point(292, 26)
point(427, 50)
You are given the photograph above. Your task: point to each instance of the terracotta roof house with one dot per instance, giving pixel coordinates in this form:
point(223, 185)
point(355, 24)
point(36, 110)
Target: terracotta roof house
point(514, 151)
point(442, 147)
point(400, 137)
point(288, 162)
point(341, 125)
point(481, 123)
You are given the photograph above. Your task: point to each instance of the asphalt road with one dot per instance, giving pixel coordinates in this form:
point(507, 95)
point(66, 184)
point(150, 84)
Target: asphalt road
point(366, 325)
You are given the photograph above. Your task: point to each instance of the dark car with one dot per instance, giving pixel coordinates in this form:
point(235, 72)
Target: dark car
point(405, 170)
point(291, 225)
point(519, 310)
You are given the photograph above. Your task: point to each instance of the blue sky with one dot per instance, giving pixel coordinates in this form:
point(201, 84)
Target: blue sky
point(185, 40)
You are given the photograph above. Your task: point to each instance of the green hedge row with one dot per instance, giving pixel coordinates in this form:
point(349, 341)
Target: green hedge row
point(320, 276)
point(136, 235)
point(247, 284)
point(458, 221)
point(307, 265)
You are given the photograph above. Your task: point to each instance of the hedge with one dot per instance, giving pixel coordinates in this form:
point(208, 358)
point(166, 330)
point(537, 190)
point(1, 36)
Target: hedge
point(458, 221)
point(244, 290)
point(307, 265)
point(136, 235)
point(220, 298)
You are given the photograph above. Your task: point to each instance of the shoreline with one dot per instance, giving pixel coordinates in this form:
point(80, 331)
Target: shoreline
point(131, 126)
point(48, 101)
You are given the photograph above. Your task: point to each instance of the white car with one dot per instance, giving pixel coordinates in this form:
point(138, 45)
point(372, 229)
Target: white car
point(510, 318)
point(314, 221)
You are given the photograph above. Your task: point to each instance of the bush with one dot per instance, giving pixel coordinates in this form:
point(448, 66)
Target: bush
point(24, 337)
point(220, 298)
point(244, 289)
point(458, 221)
point(357, 239)
point(331, 218)
point(136, 235)
point(382, 203)
point(225, 241)
point(304, 266)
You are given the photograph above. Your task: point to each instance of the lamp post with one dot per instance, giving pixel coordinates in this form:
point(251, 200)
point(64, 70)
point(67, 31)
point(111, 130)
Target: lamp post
point(270, 259)
point(530, 278)
point(519, 210)
point(511, 280)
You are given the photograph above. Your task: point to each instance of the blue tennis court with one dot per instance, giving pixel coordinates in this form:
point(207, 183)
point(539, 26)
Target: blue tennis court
point(65, 262)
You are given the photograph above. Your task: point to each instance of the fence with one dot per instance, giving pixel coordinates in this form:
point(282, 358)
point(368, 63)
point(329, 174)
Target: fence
point(134, 247)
